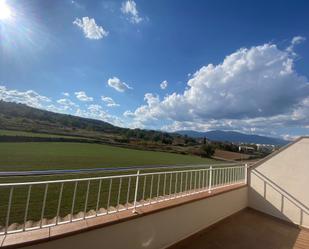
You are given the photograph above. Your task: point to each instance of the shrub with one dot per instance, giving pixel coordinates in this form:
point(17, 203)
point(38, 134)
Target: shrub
point(207, 150)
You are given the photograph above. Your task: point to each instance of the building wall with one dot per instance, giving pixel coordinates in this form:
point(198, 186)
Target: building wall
point(280, 185)
point(157, 230)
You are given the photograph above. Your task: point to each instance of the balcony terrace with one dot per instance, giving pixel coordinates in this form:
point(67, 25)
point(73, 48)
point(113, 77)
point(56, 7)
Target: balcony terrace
point(248, 229)
point(233, 206)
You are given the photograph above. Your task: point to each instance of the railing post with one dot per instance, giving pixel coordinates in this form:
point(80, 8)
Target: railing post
point(246, 173)
point(8, 211)
point(135, 194)
point(210, 179)
point(27, 207)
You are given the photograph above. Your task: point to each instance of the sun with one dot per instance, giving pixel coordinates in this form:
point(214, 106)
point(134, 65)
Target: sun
point(5, 11)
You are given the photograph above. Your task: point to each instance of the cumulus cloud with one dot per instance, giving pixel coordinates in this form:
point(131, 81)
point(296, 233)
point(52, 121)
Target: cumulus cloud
point(63, 105)
point(289, 137)
point(29, 97)
point(129, 8)
point(66, 104)
point(109, 101)
point(82, 96)
point(66, 94)
point(98, 112)
point(295, 41)
point(90, 28)
point(118, 85)
point(298, 39)
point(164, 84)
point(129, 114)
point(252, 87)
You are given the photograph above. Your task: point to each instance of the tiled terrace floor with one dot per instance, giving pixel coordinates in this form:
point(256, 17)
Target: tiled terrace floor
point(248, 229)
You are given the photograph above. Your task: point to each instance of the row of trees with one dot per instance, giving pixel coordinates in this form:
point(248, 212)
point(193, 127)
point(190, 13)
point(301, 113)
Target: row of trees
point(22, 117)
point(158, 137)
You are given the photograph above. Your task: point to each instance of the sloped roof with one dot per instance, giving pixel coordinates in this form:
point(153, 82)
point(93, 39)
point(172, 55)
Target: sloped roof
point(277, 152)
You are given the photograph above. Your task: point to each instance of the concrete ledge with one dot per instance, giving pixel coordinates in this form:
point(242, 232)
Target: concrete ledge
point(36, 237)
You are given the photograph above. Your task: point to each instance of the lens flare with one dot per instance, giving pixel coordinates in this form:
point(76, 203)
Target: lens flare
point(5, 11)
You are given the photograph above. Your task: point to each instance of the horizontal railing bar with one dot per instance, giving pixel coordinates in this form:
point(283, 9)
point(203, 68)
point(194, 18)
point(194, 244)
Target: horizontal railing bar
point(192, 181)
point(178, 195)
point(105, 177)
point(110, 169)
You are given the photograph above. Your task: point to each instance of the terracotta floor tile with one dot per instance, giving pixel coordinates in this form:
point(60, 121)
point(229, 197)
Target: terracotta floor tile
point(1, 239)
point(67, 228)
point(100, 220)
point(18, 238)
point(126, 214)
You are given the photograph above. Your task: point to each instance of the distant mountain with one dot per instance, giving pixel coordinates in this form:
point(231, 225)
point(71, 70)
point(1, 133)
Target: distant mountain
point(232, 136)
point(21, 117)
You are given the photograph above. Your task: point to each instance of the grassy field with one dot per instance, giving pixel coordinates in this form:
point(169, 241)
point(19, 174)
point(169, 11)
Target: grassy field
point(42, 156)
point(163, 184)
point(31, 134)
point(53, 155)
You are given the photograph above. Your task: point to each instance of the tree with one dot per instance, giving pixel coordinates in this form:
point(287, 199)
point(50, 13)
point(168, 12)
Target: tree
point(207, 150)
point(204, 140)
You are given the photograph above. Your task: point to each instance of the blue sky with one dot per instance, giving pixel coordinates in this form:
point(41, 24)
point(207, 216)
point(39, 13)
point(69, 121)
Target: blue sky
point(171, 65)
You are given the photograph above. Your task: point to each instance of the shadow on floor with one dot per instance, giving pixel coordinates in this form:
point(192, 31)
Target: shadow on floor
point(279, 203)
point(248, 229)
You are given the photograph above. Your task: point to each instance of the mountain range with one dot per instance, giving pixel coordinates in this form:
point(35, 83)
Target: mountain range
point(22, 117)
point(233, 136)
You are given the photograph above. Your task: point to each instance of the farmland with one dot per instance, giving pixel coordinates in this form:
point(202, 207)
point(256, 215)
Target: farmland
point(54, 155)
point(229, 155)
point(29, 134)
point(44, 140)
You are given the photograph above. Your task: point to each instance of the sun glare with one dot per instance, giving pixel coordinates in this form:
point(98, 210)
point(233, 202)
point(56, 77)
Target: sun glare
point(5, 11)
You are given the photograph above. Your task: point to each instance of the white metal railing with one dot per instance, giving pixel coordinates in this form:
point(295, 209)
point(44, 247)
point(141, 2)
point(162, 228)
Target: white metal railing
point(33, 205)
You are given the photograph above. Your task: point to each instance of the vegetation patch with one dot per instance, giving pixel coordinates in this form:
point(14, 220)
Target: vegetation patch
point(45, 155)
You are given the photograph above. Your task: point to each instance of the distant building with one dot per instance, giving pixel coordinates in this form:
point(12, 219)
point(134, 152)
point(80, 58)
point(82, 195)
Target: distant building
point(265, 147)
point(246, 149)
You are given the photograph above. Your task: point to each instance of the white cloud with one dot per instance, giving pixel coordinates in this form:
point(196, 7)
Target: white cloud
point(129, 8)
point(289, 137)
point(77, 5)
point(97, 112)
point(109, 101)
point(82, 96)
point(64, 105)
point(129, 114)
point(67, 104)
point(255, 88)
point(29, 97)
point(164, 84)
point(118, 85)
point(90, 28)
point(66, 94)
point(295, 41)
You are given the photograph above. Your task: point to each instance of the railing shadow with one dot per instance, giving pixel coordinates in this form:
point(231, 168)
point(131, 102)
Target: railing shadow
point(262, 201)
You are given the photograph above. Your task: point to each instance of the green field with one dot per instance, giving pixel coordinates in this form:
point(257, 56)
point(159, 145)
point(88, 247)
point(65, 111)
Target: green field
point(164, 184)
point(54, 155)
point(31, 134)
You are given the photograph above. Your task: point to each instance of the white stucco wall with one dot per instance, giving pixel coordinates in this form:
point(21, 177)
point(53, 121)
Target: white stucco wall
point(157, 230)
point(280, 185)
